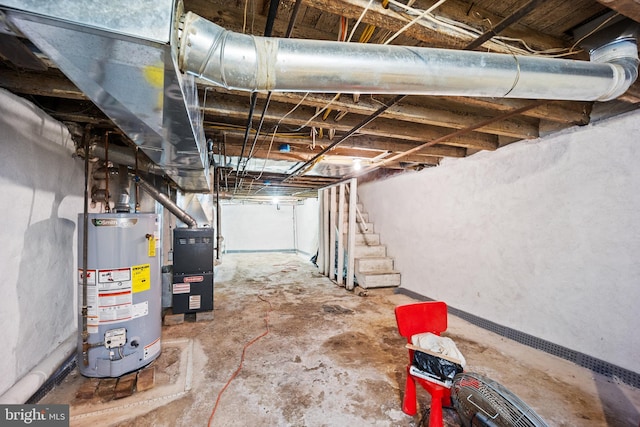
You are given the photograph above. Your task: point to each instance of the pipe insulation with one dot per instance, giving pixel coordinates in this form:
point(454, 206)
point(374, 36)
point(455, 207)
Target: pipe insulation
point(244, 62)
point(28, 385)
point(166, 201)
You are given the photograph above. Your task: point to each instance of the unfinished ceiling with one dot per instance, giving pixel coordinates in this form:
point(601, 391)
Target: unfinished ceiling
point(288, 144)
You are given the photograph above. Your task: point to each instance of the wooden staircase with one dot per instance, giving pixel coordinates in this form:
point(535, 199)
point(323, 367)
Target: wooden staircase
point(373, 268)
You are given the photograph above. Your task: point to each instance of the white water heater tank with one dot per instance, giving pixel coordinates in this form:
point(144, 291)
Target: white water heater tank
point(124, 294)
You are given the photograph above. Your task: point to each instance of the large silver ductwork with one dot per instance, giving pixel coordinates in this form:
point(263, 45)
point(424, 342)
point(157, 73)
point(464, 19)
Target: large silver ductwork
point(243, 62)
point(123, 55)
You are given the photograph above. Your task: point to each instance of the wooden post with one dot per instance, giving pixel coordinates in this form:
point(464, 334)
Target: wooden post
point(332, 233)
point(320, 257)
point(325, 234)
point(353, 200)
point(341, 230)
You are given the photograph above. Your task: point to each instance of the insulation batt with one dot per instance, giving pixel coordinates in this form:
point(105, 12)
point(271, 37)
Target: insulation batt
point(438, 344)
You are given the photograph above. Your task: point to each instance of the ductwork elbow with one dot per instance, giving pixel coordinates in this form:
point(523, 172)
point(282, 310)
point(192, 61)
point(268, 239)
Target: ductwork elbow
point(622, 56)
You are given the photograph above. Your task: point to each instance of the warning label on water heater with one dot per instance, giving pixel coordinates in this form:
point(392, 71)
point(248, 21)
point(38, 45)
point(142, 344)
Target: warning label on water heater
point(141, 277)
point(93, 320)
point(152, 349)
point(114, 295)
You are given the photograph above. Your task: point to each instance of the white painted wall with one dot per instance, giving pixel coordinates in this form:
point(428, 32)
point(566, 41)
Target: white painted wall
point(42, 193)
point(540, 236)
point(269, 227)
point(307, 223)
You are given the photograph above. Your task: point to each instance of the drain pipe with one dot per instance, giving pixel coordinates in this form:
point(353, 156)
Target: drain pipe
point(28, 385)
point(166, 201)
point(243, 62)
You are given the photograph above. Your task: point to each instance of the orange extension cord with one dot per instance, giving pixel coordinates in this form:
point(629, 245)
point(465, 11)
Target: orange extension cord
point(244, 350)
point(287, 269)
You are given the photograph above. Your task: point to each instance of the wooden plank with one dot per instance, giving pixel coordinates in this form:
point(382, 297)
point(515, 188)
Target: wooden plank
point(231, 18)
point(321, 229)
point(332, 232)
point(435, 34)
point(435, 111)
point(304, 153)
point(325, 233)
point(341, 230)
point(222, 109)
point(88, 389)
point(572, 113)
point(351, 231)
point(106, 388)
point(146, 379)
point(362, 145)
point(52, 83)
point(629, 8)
point(125, 386)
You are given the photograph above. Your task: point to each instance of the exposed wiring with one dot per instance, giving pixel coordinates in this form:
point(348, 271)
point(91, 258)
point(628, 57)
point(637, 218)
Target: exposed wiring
point(605, 22)
point(471, 32)
point(419, 17)
point(365, 37)
point(364, 11)
point(275, 131)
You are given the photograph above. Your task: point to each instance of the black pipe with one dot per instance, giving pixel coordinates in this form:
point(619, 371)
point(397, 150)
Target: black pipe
point(524, 10)
point(355, 129)
point(500, 26)
point(85, 249)
point(271, 17)
point(268, 29)
point(292, 20)
point(216, 183)
point(294, 17)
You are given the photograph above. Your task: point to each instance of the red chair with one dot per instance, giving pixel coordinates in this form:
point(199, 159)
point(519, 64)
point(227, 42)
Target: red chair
point(429, 316)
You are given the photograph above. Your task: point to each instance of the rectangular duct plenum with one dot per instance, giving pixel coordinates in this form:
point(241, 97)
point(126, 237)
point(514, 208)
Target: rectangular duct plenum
point(122, 55)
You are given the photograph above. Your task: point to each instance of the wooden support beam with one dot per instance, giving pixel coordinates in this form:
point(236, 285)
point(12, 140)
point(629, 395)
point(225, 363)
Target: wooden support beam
point(432, 33)
point(341, 202)
point(415, 109)
point(321, 231)
point(353, 202)
point(332, 232)
point(325, 234)
point(361, 146)
point(277, 113)
point(628, 8)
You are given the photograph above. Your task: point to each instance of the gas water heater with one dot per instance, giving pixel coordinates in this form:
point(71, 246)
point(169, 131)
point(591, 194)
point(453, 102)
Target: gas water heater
point(121, 331)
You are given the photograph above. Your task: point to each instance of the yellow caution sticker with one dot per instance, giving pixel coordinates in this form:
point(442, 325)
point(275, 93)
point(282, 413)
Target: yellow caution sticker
point(151, 240)
point(141, 277)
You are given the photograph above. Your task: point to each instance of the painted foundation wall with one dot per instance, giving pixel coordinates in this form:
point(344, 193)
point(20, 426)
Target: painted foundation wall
point(540, 236)
point(268, 227)
point(42, 194)
point(307, 226)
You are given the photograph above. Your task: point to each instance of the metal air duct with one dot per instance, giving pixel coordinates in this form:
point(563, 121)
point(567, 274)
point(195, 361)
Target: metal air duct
point(123, 56)
point(244, 62)
point(166, 201)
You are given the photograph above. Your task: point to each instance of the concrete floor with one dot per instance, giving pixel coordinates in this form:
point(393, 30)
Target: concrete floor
point(328, 358)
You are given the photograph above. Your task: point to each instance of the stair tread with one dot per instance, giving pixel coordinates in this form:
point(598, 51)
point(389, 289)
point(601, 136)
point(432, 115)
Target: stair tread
point(378, 273)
